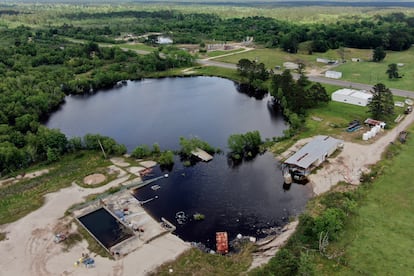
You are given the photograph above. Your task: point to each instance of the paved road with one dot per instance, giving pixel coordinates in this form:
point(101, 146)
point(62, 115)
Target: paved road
point(362, 86)
point(398, 92)
point(216, 63)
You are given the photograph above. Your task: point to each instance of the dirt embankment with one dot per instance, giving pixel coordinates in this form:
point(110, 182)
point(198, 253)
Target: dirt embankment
point(352, 161)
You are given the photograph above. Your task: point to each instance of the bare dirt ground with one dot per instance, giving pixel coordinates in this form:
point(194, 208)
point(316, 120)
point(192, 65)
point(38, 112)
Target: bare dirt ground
point(94, 179)
point(23, 176)
point(353, 160)
point(29, 248)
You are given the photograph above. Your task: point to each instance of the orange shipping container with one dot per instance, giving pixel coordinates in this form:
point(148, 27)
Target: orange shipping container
point(222, 242)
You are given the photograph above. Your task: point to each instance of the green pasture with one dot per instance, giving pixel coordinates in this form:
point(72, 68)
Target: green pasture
point(379, 240)
point(364, 71)
point(271, 57)
point(373, 72)
point(136, 46)
point(195, 262)
point(216, 71)
point(222, 52)
point(19, 199)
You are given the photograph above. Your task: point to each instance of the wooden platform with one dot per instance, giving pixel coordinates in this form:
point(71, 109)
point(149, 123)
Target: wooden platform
point(202, 154)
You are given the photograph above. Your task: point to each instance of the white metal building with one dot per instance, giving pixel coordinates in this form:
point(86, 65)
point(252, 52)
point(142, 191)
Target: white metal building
point(333, 74)
point(312, 154)
point(164, 40)
point(352, 96)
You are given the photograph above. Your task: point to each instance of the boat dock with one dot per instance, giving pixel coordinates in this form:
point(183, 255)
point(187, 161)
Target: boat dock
point(203, 155)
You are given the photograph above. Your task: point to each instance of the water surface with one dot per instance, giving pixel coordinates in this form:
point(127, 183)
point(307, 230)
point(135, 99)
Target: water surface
point(248, 199)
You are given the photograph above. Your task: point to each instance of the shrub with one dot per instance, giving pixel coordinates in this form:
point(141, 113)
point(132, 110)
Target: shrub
point(284, 263)
point(166, 158)
point(141, 151)
point(331, 221)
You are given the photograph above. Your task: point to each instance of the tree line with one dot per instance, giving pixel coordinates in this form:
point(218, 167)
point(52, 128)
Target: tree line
point(391, 31)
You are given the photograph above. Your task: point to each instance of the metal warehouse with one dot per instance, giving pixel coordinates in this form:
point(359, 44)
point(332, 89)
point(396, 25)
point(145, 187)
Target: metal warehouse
point(352, 96)
point(312, 154)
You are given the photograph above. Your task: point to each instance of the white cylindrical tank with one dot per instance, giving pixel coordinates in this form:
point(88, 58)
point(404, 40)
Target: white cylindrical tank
point(287, 177)
point(365, 136)
point(369, 134)
point(373, 133)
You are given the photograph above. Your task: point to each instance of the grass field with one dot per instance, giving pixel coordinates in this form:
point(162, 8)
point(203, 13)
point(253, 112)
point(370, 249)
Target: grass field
point(136, 46)
point(362, 72)
point(271, 57)
point(194, 262)
point(17, 200)
point(219, 53)
point(372, 72)
point(217, 71)
point(379, 240)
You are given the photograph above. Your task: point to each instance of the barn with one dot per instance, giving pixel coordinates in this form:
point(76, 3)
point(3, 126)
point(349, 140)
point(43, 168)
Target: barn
point(312, 155)
point(351, 96)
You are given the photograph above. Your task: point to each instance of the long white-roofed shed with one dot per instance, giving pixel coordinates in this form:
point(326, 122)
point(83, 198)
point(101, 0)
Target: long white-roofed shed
point(351, 96)
point(312, 154)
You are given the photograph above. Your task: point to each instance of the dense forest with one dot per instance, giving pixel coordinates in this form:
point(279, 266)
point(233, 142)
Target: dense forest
point(39, 66)
point(38, 69)
point(392, 32)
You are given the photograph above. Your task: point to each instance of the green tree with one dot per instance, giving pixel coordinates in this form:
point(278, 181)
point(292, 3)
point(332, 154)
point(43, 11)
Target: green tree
point(141, 151)
point(382, 103)
point(166, 158)
point(378, 54)
point(392, 71)
point(244, 145)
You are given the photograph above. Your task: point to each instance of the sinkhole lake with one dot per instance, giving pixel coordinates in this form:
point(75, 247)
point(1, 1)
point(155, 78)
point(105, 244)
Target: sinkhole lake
point(248, 199)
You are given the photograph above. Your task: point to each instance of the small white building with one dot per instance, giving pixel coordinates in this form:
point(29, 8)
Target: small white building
point(351, 96)
point(327, 61)
point(333, 74)
point(164, 40)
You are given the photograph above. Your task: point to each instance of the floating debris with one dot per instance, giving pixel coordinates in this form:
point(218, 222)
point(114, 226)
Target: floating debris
point(198, 216)
point(155, 187)
point(181, 217)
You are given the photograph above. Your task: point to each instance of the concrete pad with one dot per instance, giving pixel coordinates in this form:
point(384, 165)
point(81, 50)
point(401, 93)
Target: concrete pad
point(148, 164)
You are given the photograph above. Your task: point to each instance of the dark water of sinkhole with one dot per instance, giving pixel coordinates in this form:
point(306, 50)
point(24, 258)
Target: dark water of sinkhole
point(248, 199)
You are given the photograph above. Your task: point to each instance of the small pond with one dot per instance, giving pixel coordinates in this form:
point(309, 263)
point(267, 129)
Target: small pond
point(105, 227)
point(247, 199)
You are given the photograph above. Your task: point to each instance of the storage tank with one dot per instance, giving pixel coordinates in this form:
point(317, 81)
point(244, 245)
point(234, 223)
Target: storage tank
point(369, 134)
point(373, 133)
point(287, 177)
point(365, 136)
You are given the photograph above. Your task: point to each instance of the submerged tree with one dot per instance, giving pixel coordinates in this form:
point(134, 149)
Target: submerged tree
point(382, 103)
point(244, 145)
